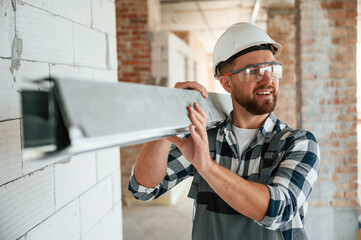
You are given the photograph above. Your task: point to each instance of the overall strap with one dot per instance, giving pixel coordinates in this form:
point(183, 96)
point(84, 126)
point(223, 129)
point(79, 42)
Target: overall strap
point(272, 157)
point(212, 139)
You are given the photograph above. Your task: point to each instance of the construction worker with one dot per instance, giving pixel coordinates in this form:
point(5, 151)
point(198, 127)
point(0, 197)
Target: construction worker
point(239, 192)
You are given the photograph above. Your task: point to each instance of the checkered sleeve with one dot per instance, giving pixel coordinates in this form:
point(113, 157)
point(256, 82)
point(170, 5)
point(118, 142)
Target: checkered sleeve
point(293, 182)
point(178, 169)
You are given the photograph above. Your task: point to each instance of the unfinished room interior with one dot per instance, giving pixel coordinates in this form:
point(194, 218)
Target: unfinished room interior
point(77, 58)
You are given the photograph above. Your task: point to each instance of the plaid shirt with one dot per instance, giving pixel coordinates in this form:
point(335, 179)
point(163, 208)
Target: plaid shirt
point(289, 187)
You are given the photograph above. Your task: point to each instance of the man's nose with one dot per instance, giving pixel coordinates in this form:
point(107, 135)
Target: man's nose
point(266, 78)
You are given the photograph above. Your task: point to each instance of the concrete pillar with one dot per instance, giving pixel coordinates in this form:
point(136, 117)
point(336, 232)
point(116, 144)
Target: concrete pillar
point(135, 22)
point(281, 27)
point(326, 105)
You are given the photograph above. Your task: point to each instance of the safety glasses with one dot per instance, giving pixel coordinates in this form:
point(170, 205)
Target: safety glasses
point(255, 73)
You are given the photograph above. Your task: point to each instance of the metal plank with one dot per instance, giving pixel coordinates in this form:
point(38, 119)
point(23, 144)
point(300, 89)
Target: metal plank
point(101, 114)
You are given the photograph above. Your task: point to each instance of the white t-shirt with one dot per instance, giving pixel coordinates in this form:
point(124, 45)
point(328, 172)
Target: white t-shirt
point(244, 137)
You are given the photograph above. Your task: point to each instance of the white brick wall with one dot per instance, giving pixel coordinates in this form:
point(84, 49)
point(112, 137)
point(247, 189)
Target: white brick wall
point(88, 236)
point(25, 202)
point(103, 12)
point(7, 28)
point(74, 177)
point(104, 229)
point(107, 161)
point(104, 75)
point(9, 99)
point(116, 188)
point(74, 198)
point(54, 228)
point(78, 11)
point(45, 37)
point(95, 204)
point(83, 73)
point(89, 47)
point(80, 73)
point(11, 84)
point(112, 48)
point(10, 151)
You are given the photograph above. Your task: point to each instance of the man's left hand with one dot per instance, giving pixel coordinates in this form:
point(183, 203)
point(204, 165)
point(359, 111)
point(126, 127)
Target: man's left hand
point(195, 148)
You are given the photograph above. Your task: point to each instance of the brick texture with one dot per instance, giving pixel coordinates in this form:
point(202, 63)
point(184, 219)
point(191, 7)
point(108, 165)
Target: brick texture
point(285, 35)
point(133, 46)
point(326, 94)
point(134, 62)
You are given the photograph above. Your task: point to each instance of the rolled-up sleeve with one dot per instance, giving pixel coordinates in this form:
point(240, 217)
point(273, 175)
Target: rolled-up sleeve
point(293, 182)
point(178, 169)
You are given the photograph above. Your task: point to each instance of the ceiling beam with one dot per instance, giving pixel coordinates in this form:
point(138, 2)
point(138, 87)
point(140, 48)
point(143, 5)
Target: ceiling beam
point(255, 12)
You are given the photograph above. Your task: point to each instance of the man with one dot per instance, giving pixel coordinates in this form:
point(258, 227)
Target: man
point(233, 200)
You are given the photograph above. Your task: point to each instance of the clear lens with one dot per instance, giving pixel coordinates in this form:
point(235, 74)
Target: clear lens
point(257, 73)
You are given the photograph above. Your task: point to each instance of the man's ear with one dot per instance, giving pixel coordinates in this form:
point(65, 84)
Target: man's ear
point(226, 83)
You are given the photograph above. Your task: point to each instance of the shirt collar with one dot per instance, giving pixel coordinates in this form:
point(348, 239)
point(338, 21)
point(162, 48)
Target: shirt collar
point(270, 125)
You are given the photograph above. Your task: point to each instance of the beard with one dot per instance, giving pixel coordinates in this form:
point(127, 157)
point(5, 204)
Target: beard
point(252, 105)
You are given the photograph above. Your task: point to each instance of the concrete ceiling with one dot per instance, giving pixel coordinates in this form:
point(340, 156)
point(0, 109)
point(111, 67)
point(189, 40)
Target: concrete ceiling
point(207, 19)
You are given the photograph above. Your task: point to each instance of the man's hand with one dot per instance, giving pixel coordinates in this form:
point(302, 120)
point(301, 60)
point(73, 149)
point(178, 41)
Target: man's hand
point(249, 198)
point(195, 148)
point(192, 86)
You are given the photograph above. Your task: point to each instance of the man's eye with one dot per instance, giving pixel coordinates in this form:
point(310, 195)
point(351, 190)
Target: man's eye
point(253, 71)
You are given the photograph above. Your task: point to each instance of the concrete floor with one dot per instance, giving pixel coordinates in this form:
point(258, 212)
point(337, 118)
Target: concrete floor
point(159, 222)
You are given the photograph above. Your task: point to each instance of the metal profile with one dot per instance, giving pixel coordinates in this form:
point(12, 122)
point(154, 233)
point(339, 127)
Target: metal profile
point(75, 116)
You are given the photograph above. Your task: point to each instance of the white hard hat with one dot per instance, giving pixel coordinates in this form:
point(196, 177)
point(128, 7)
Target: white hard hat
point(239, 37)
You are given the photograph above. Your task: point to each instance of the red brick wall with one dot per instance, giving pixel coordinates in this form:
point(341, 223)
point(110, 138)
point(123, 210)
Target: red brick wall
point(281, 28)
point(326, 72)
point(134, 59)
point(133, 46)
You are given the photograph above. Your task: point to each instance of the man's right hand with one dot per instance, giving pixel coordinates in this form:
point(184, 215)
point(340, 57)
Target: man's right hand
point(151, 164)
point(192, 86)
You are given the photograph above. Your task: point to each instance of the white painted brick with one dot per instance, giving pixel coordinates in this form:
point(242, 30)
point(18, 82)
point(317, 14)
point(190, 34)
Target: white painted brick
point(108, 161)
point(89, 47)
point(78, 11)
point(116, 187)
point(26, 202)
point(105, 75)
point(74, 177)
point(64, 224)
point(112, 58)
point(9, 97)
point(29, 71)
point(66, 71)
point(7, 27)
point(10, 85)
point(30, 166)
point(10, 151)
point(83, 73)
point(43, 4)
point(45, 37)
point(103, 13)
point(110, 227)
point(95, 204)
point(88, 236)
